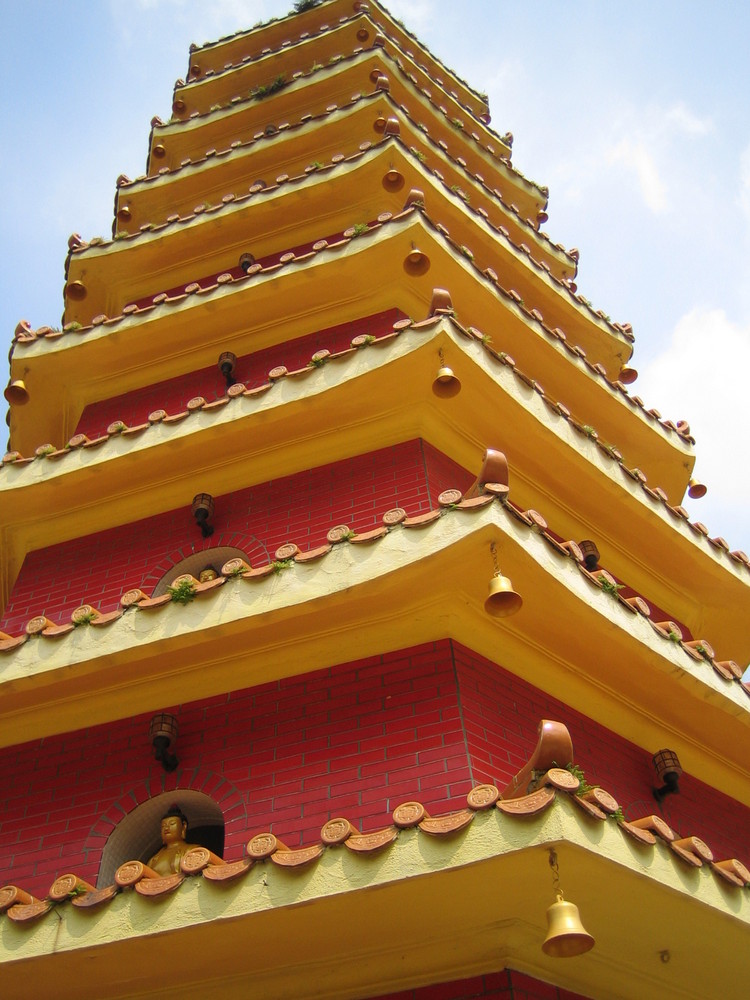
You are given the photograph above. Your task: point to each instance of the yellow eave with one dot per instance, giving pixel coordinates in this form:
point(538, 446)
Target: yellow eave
point(292, 151)
point(577, 486)
point(334, 85)
point(287, 31)
point(338, 284)
point(467, 905)
point(307, 208)
point(414, 585)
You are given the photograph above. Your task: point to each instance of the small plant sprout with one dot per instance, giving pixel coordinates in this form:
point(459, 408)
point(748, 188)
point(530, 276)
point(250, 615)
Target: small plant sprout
point(360, 228)
point(85, 618)
point(577, 772)
point(183, 592)
point(269, 88)
point(608, 586)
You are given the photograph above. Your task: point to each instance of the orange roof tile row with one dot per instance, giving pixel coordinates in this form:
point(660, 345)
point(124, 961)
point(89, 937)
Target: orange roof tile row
point(595, 803)
point(500, 158)
point(24, 334)
point(358, 8)
point(189, 588)
point(231, 200)
point(118, 428)
point(196, 75)
point(124, 182)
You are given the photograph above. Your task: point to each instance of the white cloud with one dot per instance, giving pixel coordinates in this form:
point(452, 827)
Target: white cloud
point(684, 121)
point(699, 377)
point(206, 21)
point(635, 156)
point(416, 14)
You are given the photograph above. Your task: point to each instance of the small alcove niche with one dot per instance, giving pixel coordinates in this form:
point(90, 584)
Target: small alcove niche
point(195, 564)
point(137, 837)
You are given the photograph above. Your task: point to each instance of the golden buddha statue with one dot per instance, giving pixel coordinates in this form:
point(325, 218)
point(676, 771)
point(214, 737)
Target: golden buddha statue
point(174, 827)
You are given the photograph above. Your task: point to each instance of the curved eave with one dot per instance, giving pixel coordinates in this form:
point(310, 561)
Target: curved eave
point(201, 94)
point(325, 202)
point(312, 94)
point(291, 151)
point(466, 906)
point(413, 585)
point(580, 488)
point(336, 283)
point(286, 31)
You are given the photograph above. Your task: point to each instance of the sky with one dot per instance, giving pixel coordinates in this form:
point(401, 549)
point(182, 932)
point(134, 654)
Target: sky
point(635, 116)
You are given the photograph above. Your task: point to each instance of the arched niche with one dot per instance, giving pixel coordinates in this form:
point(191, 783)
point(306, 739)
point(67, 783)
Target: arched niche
point(196, 563)
point(137, 836)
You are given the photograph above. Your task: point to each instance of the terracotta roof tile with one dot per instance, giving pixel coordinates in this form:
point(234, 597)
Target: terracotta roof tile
point(440, 306)
point(597, 803)
point(669, 631)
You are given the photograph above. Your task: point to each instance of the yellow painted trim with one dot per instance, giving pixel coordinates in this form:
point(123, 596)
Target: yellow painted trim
point(123, 271)
point(412, 586)
point(557, 471)
point(472, 903)
point(153, 199)
point(334, 85)
point(215, 55)
point(336, 285)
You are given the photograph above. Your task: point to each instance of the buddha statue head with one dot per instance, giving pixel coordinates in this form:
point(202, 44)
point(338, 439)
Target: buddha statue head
point(174, 826)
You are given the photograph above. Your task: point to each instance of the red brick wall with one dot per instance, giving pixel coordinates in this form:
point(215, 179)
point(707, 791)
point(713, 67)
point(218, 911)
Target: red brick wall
point(354, 740)
point(173, 394)
point(508, 985)
point(501, 713)
point(99, 568)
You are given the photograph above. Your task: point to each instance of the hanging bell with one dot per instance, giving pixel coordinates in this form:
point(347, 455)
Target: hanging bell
point(393, 179)
point(566, 935)
point(503, 600)
point(696, 490)
point(627, 375)
point(16, 392)
point(416, 262)
point(446, 384)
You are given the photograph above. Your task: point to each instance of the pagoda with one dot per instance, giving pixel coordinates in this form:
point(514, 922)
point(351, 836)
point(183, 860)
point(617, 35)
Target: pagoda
point(352, 626)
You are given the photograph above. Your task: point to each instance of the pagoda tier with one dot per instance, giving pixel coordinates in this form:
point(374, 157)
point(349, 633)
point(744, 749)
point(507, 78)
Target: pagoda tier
point(561, 470)
point(217, 175)
point(220, 56)
point(480, 299)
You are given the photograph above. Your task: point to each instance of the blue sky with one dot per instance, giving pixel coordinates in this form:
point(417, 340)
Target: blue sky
point(635, 115)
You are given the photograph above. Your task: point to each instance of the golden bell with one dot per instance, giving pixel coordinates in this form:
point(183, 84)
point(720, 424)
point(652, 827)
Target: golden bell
point(16, 392)
point(393, 180)
point(416, 262)
point(696, 490)
point(446, 384)
point(566, 935)
point(503, 600)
